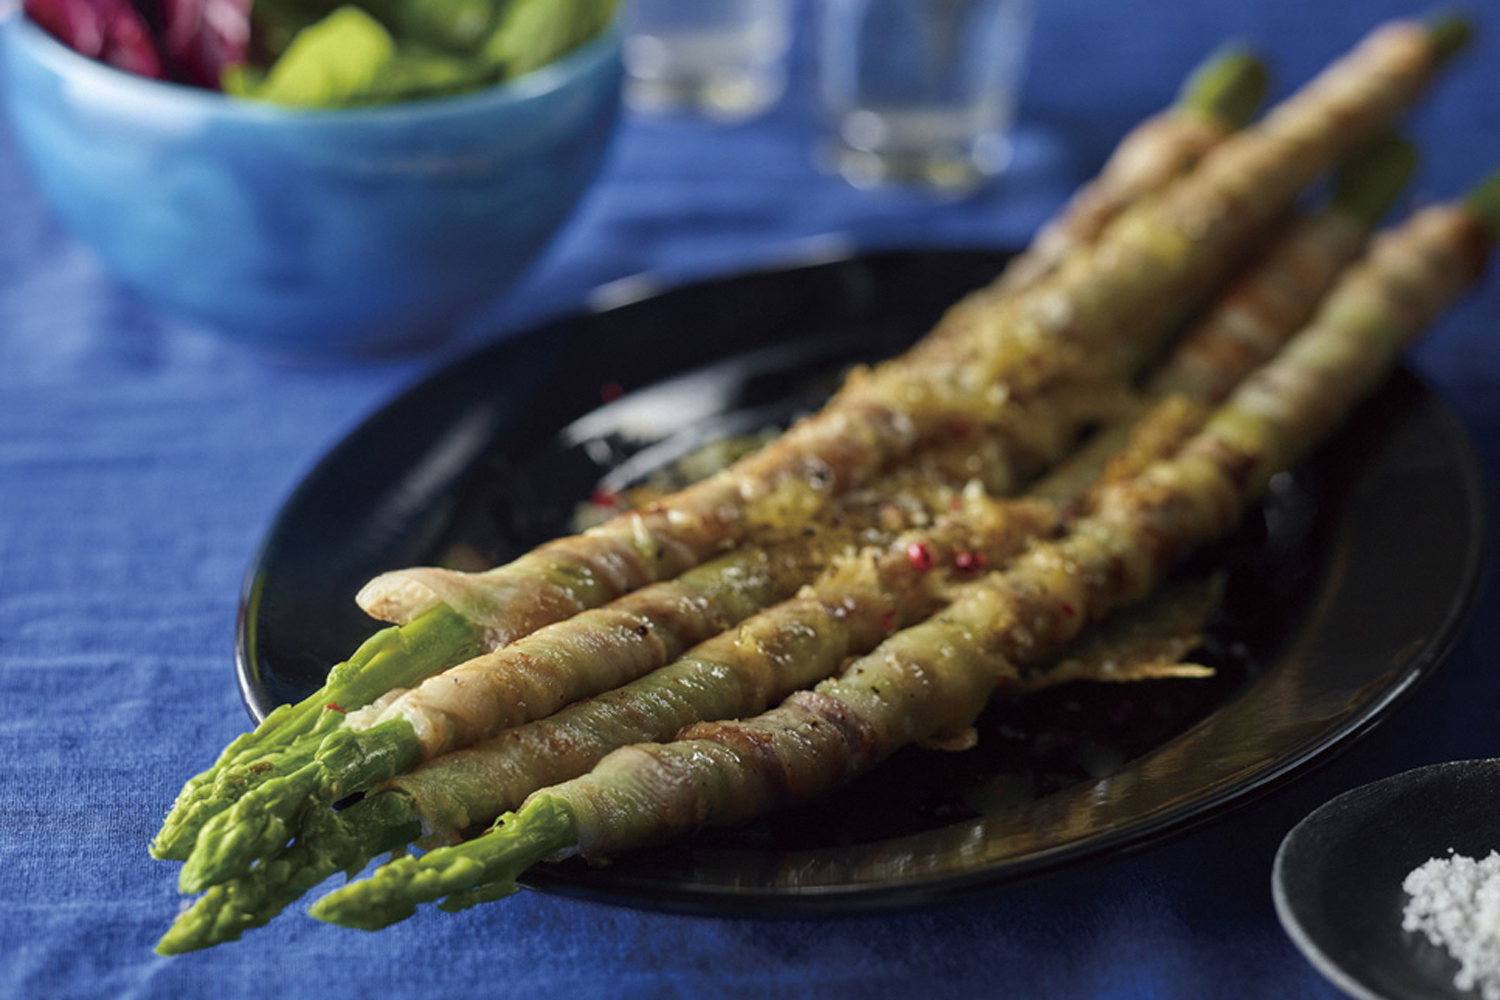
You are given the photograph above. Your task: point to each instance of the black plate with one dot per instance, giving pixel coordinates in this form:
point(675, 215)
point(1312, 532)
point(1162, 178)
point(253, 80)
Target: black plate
point(1338, 876)
point(488, 457)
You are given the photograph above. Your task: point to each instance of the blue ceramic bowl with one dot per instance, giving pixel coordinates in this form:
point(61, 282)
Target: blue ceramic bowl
point(313, 233)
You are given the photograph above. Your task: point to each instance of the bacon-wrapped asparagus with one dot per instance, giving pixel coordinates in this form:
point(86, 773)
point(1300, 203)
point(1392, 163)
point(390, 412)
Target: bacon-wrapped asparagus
point(935, 677)
point(446, 620)
point(1273, 300)
point(740, 672)
point(572, 659)
point(861, 598)
point(599, 650)
point(937, 383)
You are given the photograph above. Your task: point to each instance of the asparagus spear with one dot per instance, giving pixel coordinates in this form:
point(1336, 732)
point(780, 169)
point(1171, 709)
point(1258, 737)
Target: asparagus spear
point(934, 677)
point(1434, 45)
point(1219, 97)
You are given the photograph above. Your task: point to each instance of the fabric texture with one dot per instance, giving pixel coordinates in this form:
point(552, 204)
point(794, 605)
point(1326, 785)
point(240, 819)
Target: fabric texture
point(142, 460)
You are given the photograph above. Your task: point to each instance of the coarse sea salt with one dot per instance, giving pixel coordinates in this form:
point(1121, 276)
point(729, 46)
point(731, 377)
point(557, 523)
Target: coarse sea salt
point(1455, 902)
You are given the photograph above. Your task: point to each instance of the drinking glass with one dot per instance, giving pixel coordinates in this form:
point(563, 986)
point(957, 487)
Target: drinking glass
point(725, 58)
point(919, 91)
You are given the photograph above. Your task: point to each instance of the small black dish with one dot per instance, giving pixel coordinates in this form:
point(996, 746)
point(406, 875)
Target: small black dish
point(1338, 876)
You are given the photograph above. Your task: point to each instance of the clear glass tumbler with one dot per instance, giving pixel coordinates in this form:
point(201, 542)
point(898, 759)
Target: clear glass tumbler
point(920, 91)
point(724, 58)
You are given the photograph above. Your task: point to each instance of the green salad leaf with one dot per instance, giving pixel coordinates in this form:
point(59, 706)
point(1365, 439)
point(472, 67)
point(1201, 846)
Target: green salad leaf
point(324, 55)
point(532, 33)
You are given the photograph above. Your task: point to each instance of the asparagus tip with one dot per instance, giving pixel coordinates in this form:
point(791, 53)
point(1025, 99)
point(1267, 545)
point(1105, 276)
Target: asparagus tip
point(1370, 180)
point(179, 941)
point(372, 903)
point(328, 843)
point(255, 827)
point(1228, 87)
point(359, 759)
point(1484, 202)
point(481, 869)
point(1450, 33)
point(214, 918)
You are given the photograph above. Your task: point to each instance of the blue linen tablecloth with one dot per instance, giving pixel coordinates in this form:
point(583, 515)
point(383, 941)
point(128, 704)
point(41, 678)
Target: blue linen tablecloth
point(141, 460)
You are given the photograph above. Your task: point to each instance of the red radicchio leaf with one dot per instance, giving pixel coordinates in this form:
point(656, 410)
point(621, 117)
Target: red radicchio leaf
point(108, 30)
point(201, 37)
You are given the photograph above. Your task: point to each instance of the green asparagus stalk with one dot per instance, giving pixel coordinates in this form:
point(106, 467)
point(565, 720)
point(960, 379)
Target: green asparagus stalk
point(935, 677)
point(481, 870)
point(392, 658)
